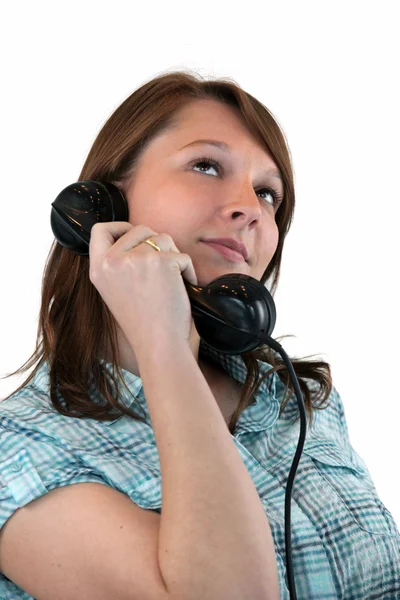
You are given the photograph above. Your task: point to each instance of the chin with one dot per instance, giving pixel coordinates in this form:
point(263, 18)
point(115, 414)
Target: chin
point(204, 280)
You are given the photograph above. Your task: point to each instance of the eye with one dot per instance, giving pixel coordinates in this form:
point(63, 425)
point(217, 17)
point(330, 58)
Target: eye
point(208, 161)
point(211, 163)
point(276, 196)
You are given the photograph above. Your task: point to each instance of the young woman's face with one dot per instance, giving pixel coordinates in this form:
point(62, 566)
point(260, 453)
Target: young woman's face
point(174, 191)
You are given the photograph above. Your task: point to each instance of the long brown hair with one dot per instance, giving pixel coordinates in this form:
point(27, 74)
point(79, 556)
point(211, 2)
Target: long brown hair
point(75, 325)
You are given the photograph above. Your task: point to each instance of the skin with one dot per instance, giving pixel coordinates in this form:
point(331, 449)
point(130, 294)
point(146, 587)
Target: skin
point(191, 202)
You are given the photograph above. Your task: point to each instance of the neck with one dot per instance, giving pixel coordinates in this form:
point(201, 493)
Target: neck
point(225, 389)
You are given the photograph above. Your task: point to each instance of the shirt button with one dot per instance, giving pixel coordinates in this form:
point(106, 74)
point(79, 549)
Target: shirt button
point(16, 466)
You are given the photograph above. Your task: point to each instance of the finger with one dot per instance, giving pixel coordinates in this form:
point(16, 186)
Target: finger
point(166, 244)
point(135, 236)
point(188, 272)
point(115, 237)
point(104, 235)
point(183, 263)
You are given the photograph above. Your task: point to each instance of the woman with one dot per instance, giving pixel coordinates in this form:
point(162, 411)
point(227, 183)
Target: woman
point(186, 499)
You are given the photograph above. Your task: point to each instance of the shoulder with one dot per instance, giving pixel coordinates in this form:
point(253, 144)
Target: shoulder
point(33, 458)
point(41, 449)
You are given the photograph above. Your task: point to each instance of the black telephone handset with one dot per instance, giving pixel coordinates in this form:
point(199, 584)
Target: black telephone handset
point(233, 314)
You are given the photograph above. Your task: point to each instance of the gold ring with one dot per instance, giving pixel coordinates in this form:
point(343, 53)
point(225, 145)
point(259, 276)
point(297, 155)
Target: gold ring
point(149, 241)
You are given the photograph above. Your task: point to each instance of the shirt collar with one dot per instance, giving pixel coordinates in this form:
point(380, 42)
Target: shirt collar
point(264, 410)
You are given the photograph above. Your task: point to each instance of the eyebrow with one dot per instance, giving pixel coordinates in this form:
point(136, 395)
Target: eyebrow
point(223, 146)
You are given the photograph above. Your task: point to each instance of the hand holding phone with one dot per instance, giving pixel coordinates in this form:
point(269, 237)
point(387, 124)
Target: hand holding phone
point(143, 288)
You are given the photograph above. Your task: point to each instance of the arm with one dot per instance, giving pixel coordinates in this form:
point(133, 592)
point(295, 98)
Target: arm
point(214, 534)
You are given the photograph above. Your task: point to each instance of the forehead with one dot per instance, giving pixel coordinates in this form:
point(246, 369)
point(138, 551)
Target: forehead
point(210, 119)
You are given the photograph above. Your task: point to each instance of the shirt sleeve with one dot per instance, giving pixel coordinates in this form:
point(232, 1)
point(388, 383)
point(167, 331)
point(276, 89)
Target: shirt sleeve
point(343, 432)
point(30, 467)
point(360, 463)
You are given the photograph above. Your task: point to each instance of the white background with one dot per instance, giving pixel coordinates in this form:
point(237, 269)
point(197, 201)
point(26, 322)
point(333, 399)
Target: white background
point(329, 72)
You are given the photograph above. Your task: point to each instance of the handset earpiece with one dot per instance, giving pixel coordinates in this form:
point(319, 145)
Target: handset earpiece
point(234, 314)
point(81, 205)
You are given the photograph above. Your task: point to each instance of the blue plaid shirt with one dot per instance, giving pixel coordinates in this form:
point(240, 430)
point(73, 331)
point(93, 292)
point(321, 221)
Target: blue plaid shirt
point(345, 543)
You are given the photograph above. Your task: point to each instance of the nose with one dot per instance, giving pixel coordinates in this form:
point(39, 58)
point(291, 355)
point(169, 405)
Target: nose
point(244, 203)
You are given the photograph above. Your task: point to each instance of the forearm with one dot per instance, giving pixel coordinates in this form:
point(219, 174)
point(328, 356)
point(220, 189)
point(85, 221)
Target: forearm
point(215, 541)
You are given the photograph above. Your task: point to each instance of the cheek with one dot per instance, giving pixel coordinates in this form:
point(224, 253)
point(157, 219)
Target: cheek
point(267, 250)
point(154, 206)
point(270, 240)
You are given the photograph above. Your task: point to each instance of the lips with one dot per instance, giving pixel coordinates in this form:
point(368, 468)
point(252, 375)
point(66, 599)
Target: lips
point(236, 245)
